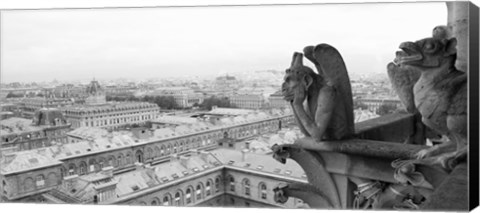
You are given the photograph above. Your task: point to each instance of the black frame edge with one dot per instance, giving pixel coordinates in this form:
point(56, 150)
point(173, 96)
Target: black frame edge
point(473, 106)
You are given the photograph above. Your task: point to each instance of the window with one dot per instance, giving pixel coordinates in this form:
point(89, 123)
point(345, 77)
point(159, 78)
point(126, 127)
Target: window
point(83, 168)
point(101, 164)
point(4, 186)
point(71, 170)
point(232, 184)
point(177, 199)
point(40, 181)
point(166, 201)
point(199, 192)
point(217, 184)
point(120, 160)
point(207, 188)
point(246, 187)
point(263, 191)
point(128, 159)
point(188, 196)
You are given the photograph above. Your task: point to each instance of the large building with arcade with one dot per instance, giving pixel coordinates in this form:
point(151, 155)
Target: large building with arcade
point(97, 112)
point(170, 165)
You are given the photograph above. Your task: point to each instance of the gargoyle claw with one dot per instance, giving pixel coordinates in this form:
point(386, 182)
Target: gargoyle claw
point(280, 154)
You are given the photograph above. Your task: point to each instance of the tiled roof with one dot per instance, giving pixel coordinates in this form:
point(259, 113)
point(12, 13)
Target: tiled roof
point(176, 120)
point(17, 125)
point(85, 132)
point(258, 163)
point(27, 160)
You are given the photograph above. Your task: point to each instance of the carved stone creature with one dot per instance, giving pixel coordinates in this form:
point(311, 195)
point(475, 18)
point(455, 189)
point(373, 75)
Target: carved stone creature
point(440, 94)
point(322, 103)
point(314, 197)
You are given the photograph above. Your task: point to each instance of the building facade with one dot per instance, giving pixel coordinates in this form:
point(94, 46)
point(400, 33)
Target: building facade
point(184, 97)
point(113, 115)
point(22, 181)
point(248, 101)
point(277, 100)
point(47, 126)
point(374, 104)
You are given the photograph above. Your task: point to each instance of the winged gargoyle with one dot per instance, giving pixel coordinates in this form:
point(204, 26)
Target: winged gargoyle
point(328, 110)
point(439, 94)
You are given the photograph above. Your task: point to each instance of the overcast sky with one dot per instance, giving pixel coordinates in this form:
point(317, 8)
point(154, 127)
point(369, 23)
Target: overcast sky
point(162, 42)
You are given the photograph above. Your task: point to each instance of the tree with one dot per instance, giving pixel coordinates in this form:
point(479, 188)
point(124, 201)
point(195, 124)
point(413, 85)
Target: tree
point(357, 104)
point(215, 101)
point(164, 102)
point(13, 95)
point(385, 109)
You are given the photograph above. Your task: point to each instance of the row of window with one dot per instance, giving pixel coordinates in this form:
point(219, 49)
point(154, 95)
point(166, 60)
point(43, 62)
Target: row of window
point(246, 187)
point(188, 196)
point(114, 121)
point(128, 159)
point(40, 181)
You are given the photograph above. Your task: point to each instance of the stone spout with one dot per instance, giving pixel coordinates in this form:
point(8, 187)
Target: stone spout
point(306, 192)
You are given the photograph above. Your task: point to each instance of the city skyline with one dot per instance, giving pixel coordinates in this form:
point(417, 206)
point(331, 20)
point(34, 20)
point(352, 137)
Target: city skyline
point(150, 42)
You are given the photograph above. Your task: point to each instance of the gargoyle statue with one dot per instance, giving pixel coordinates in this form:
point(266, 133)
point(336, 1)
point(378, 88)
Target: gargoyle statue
point(439, 94)
point(322, 103)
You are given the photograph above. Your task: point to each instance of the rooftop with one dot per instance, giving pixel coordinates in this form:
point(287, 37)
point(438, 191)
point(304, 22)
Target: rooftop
point(109, 106)
point(175, 120)
point(15, 125)
point(27, 160)
point(230, 111)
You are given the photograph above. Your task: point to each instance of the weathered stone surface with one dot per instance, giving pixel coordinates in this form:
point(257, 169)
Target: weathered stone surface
point(452, 193)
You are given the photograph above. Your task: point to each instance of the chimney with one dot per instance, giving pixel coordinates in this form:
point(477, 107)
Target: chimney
point(9, 157)
point(141, 133)
point(244, 154)
point(42, 151)
point(173, 157)
point(68, 181)
point(108, 171)
point(138, 166)
point(184, 161)
point(247, 145)
point(204, 155)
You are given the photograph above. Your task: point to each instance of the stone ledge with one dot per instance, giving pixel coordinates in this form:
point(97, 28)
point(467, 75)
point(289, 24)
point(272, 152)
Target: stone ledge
point(369, 148)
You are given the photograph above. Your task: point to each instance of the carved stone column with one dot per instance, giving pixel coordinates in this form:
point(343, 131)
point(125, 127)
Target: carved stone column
point(458, 20)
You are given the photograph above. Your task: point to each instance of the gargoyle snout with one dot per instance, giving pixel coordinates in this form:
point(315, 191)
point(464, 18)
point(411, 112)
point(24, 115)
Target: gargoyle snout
point(407, 45)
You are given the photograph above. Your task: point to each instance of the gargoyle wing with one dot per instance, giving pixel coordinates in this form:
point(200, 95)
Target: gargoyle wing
point(403, 80)
point(331, 67)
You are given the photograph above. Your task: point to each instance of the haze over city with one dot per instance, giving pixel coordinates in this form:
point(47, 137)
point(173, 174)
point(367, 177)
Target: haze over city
point(193, 41)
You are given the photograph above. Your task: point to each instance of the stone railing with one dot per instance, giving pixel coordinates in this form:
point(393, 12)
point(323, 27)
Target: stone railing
point(359, 173)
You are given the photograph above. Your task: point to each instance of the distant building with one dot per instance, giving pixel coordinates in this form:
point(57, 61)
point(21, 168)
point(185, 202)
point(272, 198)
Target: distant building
point(374, 104)
point(172, 121)
point(97, 112)
point(47, 126)
point(248, 101)
point(184, 97)
point(120, 90)
point(95, 94)
point(277, 101)
point(78, 93)
point(39, 175)
point(28, 106)
point(226, 83)
point(113, 115)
